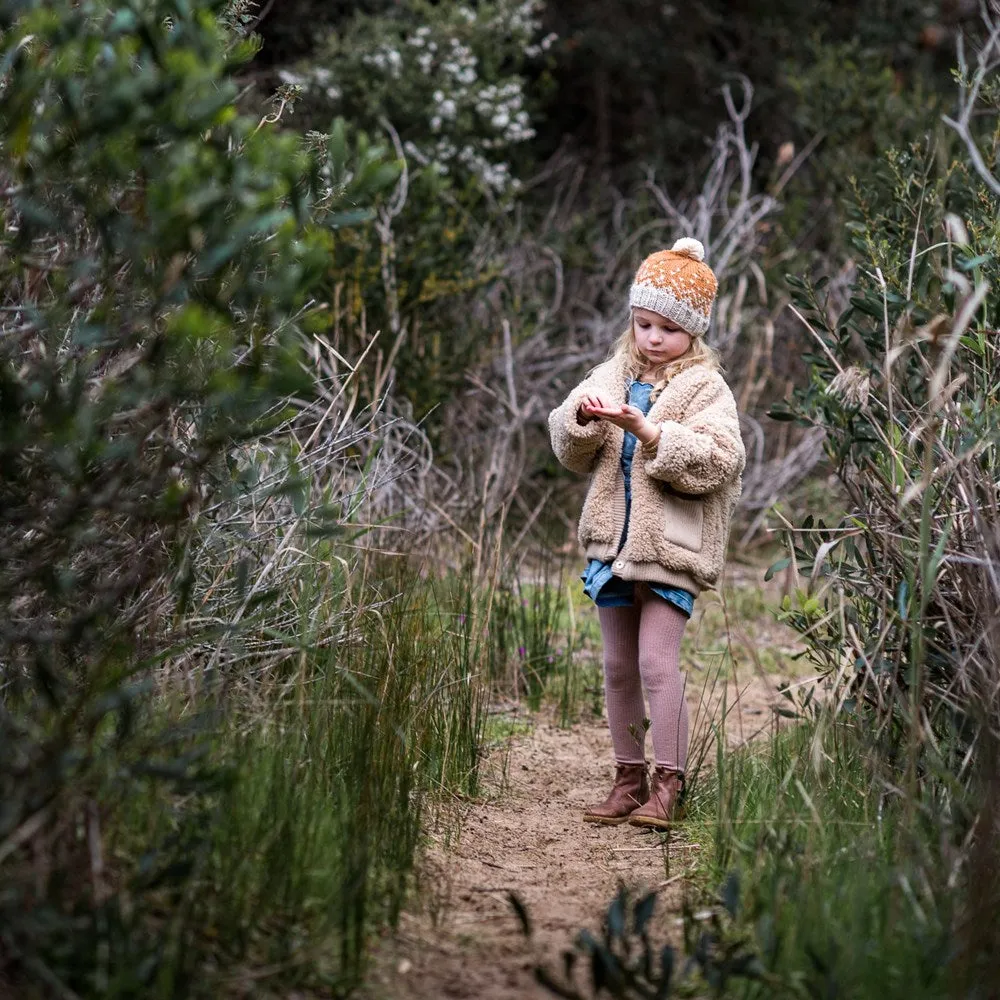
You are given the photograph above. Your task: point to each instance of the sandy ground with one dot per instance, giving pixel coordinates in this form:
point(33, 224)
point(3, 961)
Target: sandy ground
point(525, 836)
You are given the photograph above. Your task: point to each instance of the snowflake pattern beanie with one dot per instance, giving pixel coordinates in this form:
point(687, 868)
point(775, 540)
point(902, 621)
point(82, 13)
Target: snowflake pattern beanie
point(677, 284)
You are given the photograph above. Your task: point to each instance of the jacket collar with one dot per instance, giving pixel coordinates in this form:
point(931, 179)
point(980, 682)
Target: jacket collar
point(672, 401)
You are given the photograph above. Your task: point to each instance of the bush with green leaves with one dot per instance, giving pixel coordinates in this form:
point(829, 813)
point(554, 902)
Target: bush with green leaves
point(847, 888)
point(903, 600)
point(446, 84)
point(625, 962)
point(906, 383)
point(449, 78)
point(158, 254)
point(851, 107)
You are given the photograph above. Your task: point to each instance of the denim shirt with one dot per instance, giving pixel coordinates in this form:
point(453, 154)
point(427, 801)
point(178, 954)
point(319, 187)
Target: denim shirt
point(599, 582)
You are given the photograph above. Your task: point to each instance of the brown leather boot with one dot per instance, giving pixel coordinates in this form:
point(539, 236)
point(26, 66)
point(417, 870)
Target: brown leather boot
point(630, 790)
point(665, 803)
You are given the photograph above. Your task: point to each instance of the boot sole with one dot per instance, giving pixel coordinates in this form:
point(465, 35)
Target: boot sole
point(606, 820)
point(658, 824)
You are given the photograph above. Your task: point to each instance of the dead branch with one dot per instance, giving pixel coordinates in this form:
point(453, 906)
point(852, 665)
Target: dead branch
point(970, 89)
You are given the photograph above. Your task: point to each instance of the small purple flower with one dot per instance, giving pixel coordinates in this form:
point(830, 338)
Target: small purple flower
point(551, 658)
point(520, 651)
point(524, 602)
point(461, 619)
point(559, 651)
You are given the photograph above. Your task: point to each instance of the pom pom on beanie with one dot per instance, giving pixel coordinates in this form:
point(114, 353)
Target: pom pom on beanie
point(687, 246)
point(677, 284)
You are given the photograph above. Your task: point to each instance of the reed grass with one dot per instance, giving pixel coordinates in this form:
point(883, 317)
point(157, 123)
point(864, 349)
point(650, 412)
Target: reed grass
point(334, 768)
point(842, 891)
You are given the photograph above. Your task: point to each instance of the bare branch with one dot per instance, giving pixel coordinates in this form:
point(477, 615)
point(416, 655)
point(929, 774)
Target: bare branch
point(987, 62)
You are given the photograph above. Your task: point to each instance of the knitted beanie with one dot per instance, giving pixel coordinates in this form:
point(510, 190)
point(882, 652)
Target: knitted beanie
point(677, 284)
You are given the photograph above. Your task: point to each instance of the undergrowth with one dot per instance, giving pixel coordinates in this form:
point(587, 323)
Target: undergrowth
point(847, 888)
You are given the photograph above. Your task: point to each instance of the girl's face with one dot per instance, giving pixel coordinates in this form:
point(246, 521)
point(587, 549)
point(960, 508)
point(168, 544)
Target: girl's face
point(660, 340)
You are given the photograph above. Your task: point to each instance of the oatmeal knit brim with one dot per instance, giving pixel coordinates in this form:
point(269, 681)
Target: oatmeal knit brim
point(677, 284)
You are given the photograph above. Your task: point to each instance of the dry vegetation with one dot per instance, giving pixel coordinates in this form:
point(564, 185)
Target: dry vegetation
point(281, 534)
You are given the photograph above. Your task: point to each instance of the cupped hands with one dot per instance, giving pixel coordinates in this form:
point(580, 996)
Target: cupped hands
point(630, 418)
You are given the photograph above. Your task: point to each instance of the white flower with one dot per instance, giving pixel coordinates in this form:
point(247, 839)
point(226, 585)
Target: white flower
point(292, 79)
point(425, 61)
point(549, 40)
point(500, 120)
point(389, 59)
point(448, 109)
point(496, 175)
point(518, 132)
point(436, 123)
point(446, 150)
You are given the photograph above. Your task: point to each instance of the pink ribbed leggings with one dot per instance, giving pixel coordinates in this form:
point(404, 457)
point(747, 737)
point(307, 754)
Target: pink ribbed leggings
point(642, 647)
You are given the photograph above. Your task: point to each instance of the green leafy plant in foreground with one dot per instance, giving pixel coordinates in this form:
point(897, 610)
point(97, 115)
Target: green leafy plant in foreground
point(846, 890)
point(157, 257)
point(624, 962)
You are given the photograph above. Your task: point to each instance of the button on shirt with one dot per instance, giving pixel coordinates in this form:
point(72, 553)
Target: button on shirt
point(599, 580)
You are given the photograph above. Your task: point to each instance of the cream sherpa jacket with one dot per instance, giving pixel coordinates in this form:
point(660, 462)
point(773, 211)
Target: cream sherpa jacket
point(683, 493)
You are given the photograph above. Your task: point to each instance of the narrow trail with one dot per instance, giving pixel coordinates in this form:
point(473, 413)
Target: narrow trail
point(526, 836)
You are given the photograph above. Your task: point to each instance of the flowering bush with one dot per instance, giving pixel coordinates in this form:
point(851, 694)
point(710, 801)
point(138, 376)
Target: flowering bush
point(446, 76)
point(445, 83)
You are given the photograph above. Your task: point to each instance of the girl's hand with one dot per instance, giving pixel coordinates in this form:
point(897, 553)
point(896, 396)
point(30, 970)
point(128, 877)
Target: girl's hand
point(629, 418)
point(595, 407)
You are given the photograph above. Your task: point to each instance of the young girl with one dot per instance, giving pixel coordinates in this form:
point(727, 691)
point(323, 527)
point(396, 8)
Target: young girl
point(657, 426)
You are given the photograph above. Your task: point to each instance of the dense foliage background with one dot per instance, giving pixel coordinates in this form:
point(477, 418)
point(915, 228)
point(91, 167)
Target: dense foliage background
point(288, 289)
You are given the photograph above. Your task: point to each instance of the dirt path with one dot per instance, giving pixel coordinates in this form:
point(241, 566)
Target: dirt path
point(526, 837)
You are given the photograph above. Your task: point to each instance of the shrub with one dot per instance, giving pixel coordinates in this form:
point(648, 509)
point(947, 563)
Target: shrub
point(158, 253)
point(902, 605)
point(446, 83)
point(905, 385)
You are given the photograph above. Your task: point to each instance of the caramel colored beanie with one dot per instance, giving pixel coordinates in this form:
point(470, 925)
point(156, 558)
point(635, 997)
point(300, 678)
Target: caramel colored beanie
point(677, 284)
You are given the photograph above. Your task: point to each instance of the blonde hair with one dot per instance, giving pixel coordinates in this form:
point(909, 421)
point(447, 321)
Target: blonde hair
point(699, 353)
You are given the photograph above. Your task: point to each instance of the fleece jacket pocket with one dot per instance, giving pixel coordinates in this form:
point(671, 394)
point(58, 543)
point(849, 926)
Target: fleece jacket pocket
point(684, 521)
